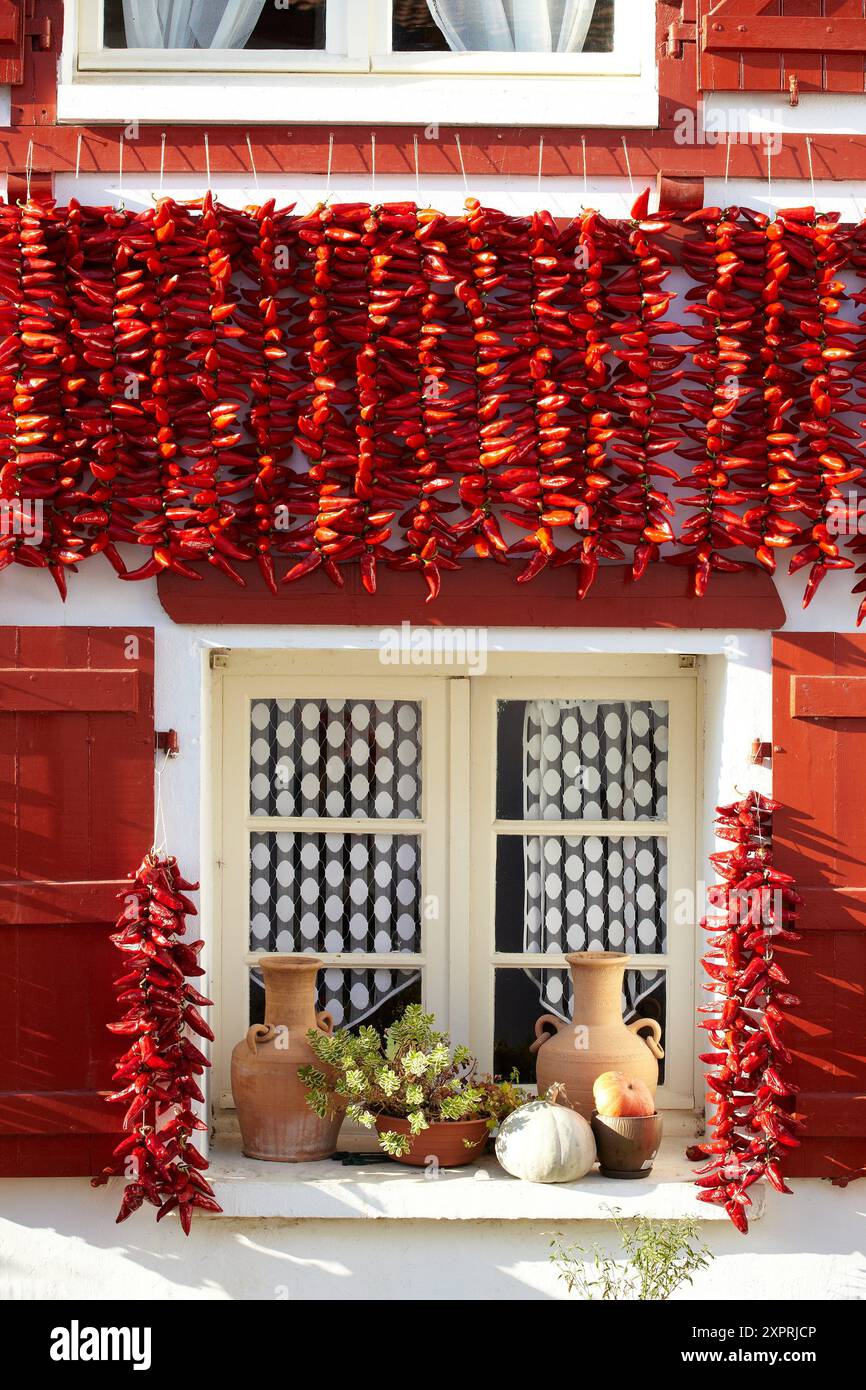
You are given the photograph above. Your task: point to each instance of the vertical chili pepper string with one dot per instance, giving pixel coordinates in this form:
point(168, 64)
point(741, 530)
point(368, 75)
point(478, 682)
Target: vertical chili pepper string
point(850, 515)
point(531, 481)
point(721, 359)
point(754, 1123)
point(158, 1073)
point(824, 460)
point(645, 413)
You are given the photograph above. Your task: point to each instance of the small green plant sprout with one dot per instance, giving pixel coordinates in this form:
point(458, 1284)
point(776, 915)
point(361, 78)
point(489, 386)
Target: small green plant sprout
point(658, 1258)
point(413, 1072)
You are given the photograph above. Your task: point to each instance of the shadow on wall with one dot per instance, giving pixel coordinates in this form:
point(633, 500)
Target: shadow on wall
point(59, 1240)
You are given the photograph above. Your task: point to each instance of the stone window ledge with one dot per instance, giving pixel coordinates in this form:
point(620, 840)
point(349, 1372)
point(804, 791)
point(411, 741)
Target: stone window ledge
point(483, 1192)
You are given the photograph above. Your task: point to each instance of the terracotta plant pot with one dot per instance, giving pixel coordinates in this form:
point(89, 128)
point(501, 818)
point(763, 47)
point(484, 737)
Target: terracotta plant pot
point(596, 1040)
point(627, 1144)
point(443, 1140)
point(276, 1122)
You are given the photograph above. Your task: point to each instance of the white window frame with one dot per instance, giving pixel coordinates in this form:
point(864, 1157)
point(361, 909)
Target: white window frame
point(617, 88)
point(458, 828)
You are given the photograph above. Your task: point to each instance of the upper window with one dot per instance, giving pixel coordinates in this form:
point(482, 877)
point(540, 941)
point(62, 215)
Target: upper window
point(279, 31)
point(509, 47)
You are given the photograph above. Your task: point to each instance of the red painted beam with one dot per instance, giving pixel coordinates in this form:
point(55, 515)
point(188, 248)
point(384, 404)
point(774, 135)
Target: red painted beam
point(505, 154)
point(790, 31)
point(484, 594)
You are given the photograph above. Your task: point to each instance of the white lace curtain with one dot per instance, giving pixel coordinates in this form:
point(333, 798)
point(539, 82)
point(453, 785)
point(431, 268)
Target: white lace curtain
point(190, 23)
point(509, 26)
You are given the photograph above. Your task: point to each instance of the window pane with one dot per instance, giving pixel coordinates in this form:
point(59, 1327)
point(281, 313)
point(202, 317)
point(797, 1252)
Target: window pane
point(353, 997)
point(326, 758)
point(521, 996)
point(582, 760)
point(559, 893)
point(507, 26)
point(219, 24)
point(335, 892)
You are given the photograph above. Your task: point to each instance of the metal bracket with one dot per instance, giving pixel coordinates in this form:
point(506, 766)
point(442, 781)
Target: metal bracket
point(682, 30)
point(219, 658)
point(761, 752)
point(166, 741)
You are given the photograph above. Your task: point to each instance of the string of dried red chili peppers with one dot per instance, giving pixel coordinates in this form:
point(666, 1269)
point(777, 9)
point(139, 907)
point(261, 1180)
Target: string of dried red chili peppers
point(158, 1072)
point(390, 386)
point(754, 1122)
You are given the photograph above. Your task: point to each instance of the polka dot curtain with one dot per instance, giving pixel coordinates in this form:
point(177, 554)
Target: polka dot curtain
point(336, 758)
point(595, 760)
point(337, 891)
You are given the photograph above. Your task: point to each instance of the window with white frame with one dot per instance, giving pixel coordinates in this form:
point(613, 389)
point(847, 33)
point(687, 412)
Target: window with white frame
point(449, 839)
point(396, 33)
point(385, 41)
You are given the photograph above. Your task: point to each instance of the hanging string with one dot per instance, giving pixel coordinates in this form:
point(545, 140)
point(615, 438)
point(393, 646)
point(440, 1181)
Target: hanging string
point(372, 166)
point(811, 169)
point(540, 164)
point(585, 175)
point(253, 162)
point(462, 165)
point(417, 173)
point(120, 166)
point(207, 159)
point(330, 163)
point(727, 157)
point(161, 161)
point(78, 158)
point(628, 165)
point(770, 175)
point(28, 167)
point(159, 827)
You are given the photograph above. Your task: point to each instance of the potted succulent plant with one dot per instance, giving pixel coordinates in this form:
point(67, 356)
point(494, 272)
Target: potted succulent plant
point(422, 1096)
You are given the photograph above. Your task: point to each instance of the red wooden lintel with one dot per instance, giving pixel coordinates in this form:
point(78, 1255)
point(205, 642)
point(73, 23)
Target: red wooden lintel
point(483, 594)
point(788, 32)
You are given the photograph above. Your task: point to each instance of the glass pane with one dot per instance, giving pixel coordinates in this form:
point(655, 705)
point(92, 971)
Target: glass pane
point(582, 760)
point(559, 893)
point(353, 997)
point(327, 758)
point(521, 996)
point(220, 24)
point(530, 26)
point(335, 892)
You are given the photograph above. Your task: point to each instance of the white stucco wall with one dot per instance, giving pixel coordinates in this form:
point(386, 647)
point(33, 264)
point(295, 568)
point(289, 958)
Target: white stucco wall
point(58, 1238)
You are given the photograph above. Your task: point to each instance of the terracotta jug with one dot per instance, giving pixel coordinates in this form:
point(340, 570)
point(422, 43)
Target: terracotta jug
point(276, 1121)
point(597, 1039)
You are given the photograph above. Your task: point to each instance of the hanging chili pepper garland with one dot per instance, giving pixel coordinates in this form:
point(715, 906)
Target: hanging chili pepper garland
point(754, 1121)
point(391, 386)
point(157, 1075)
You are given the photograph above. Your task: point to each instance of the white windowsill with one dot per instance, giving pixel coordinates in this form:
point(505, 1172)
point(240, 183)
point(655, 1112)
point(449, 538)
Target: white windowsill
point(482, 1192)
point(372, 98)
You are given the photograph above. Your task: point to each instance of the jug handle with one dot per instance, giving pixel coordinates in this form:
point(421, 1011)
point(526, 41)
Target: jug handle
point(654, 1042)
point(541, 1025)
point(325, 1021)
point(259, 1033)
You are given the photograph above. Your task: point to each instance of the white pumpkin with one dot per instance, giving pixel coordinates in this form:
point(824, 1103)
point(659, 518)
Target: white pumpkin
point(543, 1142)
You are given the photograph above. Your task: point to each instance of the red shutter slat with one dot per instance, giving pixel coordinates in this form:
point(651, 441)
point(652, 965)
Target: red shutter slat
point(819, 737)
point(88, 691)
point(76, 765)
point(11, 42)
point(843, 72)
point(807, 67)
point(759, 45)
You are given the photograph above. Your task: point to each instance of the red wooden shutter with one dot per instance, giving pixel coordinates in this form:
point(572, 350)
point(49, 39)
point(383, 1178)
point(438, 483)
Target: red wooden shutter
point(819, 739)
point(759, 45)
point(76, 770)
point(11, 42)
